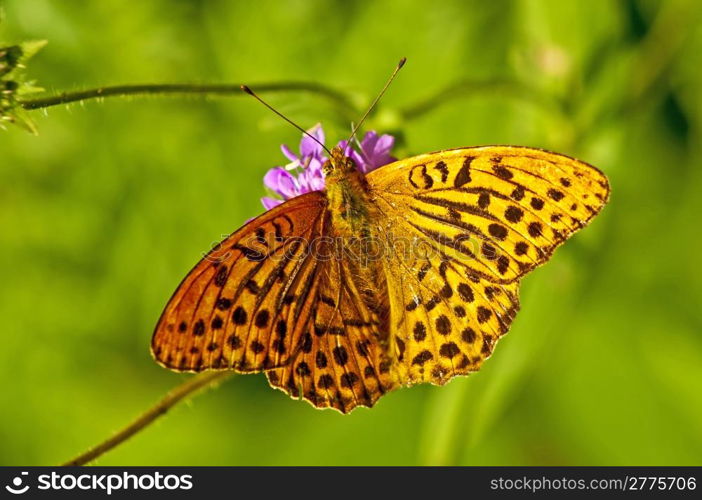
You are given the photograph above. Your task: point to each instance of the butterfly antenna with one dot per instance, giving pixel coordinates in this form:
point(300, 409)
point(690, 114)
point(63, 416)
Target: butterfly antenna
point(251, 93)
point(358, 146)
point(375, 101)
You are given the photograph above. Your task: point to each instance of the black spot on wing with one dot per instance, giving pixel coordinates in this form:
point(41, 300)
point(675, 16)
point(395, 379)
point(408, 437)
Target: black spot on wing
point(419, 178)
point(443, 169)
point(463, 175)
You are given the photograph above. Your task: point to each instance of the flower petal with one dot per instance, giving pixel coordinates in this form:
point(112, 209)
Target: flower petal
point(308, 146)
point(369, 140)
point(311, 180)
point(376, 150)
point(385, 144)
point(282, 182)
point(269, 202)
point(289, 154)
point(315, 165)
point(317, 181)
point(359, 160)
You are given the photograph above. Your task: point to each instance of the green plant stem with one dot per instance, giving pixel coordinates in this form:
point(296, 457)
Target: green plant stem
point(471, 88)
point(190, 386)
point(183, 88)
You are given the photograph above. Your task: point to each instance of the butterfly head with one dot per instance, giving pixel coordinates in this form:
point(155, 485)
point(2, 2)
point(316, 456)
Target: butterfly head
point(338, 163)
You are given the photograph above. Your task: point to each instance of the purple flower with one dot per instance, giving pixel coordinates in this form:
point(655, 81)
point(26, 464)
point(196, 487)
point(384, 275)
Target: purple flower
point(374, 151)
point(308, 168)
point(304, 172)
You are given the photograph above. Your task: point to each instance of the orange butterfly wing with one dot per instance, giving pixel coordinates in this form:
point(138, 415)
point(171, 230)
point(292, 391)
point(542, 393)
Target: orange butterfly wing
point(348, 364)
point(483, 218)
point(244, 305)
point(271, 298)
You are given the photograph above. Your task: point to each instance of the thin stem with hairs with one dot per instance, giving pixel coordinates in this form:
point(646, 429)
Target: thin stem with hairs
point(187, 388)
point(183, 88)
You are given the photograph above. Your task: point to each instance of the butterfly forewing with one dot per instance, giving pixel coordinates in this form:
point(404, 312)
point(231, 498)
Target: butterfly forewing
point(501, 209)
point(243, 306)
point(480, 219)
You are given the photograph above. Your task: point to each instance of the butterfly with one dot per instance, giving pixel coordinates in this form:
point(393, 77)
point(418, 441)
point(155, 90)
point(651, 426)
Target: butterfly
point(406, 275)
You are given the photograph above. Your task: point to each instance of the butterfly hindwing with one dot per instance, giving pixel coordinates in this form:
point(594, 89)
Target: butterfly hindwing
point(446, 320)
point(347, 362)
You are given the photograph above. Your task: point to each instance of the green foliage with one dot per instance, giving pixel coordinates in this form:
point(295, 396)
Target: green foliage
point(106, 210)
point(13, 85)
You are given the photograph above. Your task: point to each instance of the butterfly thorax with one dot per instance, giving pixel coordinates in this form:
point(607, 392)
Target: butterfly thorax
point(347, 196)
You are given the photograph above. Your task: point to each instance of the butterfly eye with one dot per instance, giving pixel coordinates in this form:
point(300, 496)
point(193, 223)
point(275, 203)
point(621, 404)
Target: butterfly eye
point(327, 168)
point(349, 165)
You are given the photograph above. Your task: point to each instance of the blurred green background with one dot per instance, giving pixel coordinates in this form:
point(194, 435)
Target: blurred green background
point(104, 212)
